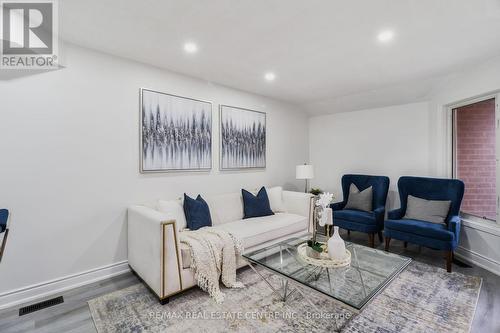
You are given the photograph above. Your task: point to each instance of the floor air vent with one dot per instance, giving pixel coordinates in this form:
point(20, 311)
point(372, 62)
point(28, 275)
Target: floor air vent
point(42, 305)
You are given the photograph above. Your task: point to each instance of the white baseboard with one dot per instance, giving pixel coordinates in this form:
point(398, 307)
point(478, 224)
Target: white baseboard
point(478, 259)
point(48, 288)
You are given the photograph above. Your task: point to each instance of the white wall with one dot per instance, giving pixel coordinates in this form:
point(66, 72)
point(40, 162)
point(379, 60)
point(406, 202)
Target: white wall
point(412, 139)
point(69, 167)
point(391, 141)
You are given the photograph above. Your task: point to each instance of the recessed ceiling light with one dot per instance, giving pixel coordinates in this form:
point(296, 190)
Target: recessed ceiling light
point(385, 36)
point(190, 47)
point(270, 76)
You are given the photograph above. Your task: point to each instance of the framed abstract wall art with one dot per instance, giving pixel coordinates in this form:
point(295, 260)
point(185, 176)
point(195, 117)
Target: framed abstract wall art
point(242, 138)
point(175, 133)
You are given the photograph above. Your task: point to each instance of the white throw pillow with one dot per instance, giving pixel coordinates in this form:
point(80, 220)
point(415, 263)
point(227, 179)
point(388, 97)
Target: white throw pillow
point(225, 208)
point(275, 195)
point(173, 210)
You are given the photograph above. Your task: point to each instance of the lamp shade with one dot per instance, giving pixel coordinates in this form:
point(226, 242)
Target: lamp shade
point(305, 171)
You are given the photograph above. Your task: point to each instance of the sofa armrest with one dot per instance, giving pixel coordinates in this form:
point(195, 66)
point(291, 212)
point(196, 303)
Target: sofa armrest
point(395, 214)
point(299, 203)
point(454, 225)
point(154, 250)
point(338, 205)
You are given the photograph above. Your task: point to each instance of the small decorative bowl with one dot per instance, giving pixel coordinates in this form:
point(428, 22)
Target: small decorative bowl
point(311, 253)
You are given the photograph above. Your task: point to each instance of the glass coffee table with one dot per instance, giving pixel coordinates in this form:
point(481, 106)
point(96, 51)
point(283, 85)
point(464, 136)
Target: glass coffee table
point(354, 286)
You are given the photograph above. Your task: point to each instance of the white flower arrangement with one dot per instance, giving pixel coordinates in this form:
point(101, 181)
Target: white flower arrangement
point(324, 202)
point(325, 199)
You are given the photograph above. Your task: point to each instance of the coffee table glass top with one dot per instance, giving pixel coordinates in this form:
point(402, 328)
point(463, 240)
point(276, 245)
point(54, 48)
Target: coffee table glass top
point(355, 285)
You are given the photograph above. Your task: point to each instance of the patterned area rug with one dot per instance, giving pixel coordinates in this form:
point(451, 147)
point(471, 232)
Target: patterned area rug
point(422, 298)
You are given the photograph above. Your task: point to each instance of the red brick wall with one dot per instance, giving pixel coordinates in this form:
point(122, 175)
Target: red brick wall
point(476, 158)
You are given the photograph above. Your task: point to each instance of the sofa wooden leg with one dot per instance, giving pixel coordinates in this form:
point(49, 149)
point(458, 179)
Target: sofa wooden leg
point(164, 301)
point(371, 240)
point(387, 241)
point(405, 244)
point(449, 259)
point(380, 237)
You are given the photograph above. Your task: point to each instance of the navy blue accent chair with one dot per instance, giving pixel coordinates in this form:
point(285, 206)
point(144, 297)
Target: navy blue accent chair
point(432, 235)
point(4, 216)
point(368, 222)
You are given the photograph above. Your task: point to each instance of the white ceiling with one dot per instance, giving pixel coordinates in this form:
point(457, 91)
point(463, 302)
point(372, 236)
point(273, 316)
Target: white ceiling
point(325, 53)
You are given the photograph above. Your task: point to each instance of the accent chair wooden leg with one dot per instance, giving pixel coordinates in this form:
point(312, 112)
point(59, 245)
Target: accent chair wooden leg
point(387, 241)
point(348, 232)
point(449, 259)
point(371, 240)
point(380, 237)
point(164, 301)
point(405, 244)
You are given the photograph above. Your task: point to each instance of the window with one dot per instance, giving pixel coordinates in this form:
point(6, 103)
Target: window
point(475, 147)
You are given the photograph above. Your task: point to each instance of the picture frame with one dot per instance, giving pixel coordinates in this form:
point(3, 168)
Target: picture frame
point(175, 133)
point(242, 138)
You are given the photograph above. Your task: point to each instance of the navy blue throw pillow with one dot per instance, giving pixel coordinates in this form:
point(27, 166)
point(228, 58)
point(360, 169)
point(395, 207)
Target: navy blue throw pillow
point(197, 213)
point(255, 206)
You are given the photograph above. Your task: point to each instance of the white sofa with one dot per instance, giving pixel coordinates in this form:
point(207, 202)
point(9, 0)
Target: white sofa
point(154, 251)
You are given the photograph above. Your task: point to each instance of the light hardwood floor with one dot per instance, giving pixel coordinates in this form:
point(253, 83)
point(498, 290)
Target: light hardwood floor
point(73, 315)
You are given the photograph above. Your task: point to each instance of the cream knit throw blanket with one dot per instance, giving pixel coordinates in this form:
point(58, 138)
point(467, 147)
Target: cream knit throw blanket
point(213, 253)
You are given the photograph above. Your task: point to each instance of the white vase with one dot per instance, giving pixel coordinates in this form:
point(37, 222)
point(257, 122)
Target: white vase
point(336, 246)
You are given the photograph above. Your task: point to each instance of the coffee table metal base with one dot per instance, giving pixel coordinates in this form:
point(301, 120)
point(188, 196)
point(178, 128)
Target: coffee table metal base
point(286, 290)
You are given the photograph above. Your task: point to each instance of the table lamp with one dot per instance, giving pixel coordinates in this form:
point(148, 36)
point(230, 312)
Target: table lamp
point(305, 171)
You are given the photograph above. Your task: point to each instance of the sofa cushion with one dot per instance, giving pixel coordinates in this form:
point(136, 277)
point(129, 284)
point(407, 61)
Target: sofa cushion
point(173, 211)
point(434, 211)
point(197, 212)
point(421, 228)
point(361, 200)
point(258, 230)
point(354, 216)
point(275, 195)
point(225, 208)
point(256, 205)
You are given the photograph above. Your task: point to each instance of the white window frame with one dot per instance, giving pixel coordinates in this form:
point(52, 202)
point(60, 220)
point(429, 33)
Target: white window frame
point(452, 144)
